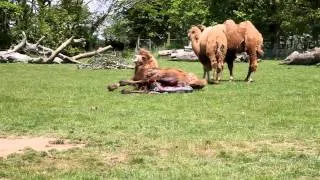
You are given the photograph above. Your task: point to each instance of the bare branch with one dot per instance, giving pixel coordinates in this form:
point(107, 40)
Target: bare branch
point(21, 44)
point(58, 50)
point(92, 53)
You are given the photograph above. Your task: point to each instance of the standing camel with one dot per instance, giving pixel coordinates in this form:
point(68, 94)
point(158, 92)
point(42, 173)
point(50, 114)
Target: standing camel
point(194, 35)
point(210, 45)
point(243, 37)
point(213, 44)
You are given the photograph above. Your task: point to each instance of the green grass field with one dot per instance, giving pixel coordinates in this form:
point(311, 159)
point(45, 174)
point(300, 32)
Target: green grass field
point(269, 129)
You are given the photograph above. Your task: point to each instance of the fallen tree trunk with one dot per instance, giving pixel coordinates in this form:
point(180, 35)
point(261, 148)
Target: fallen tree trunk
point(24, 51)
point(182, 55)
point(21, 44)
point(179, 54)
point(47, 51)
point(92, 53)
point(306, 58)
point(13, 57)
point(58, 50)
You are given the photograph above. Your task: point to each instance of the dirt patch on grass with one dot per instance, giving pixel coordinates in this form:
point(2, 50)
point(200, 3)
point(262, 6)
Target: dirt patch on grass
point(11, 145)
point(212, 148)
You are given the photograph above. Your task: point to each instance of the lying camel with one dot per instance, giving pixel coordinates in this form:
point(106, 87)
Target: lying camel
point(243, 37)
point(210, 45)
point(149, 77)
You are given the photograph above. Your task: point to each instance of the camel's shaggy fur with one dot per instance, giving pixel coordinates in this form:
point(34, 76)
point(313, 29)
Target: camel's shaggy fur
point(243, 37)
point(148, 72)
point(213, 44)
point(210, 45)
point(144, 60)
point(194, 35)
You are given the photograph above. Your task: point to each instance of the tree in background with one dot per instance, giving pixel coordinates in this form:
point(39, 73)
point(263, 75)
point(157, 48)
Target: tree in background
point(9, 13)
point(125, 20)
point(153, 19)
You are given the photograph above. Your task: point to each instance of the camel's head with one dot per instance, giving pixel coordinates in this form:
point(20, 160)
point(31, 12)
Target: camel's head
point(144, 57)
point(260, 51)
point(229, 22)
point(194, 33)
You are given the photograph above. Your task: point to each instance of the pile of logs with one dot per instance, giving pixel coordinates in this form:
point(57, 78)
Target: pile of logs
point(26, 52)
point(311, 57)
point(105, 61)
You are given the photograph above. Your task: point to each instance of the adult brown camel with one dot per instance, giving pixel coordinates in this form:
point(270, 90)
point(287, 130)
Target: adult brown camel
point(147, 75)
point(194, 35)
point(243, 37)
point(213, 44)
point(210, 45)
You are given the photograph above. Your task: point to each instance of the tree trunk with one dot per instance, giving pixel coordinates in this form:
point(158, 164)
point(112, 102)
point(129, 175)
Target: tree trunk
point(306, 58)
point(58, 50)
point(92, 53)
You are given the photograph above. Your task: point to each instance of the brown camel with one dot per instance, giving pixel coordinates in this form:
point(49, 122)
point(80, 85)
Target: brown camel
point(210, 45)
point(147, 74)
point(243, 37)
point(194, 35)
point(213, 44)
point(144, 60)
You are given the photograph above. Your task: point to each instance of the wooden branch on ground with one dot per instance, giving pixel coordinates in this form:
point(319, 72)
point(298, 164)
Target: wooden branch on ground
point(306, 58)
point(80, 40)
point(39, 41)
point(33, 48)
point(58, 50)
point(21, 44)
point(48, 51)
point(6, 56)
point(47, 55)
point(92, 53)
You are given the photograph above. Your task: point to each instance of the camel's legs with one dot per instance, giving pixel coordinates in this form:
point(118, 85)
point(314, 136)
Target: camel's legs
point(252, 65)
point(230, 57)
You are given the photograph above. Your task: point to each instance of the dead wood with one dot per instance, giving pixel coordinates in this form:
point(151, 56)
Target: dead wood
point(92, 53)
point(105, 61)
point(306, 58)
point(45, 51)
point(21, 52)
point(58, 50)
point(21, 44)
point(39, 41)
point(80, 40)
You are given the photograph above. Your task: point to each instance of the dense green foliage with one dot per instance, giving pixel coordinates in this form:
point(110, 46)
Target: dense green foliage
point(155, 18)
point(128, 19)
point(40, 18)
point(269, 129)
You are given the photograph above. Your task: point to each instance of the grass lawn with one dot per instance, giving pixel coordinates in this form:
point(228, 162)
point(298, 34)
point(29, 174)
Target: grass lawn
point(269, 129)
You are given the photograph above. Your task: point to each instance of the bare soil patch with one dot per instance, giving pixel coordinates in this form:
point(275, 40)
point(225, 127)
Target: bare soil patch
point(211, 149)
point(11, 145)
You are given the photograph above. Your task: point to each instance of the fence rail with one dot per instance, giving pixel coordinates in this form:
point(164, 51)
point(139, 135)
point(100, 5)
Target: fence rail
point(283, 47)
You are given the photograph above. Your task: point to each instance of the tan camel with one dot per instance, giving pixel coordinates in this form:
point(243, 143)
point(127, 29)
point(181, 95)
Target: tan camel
point(210, 45)
point(194, 35)
point(147, 73)
point(243, 37)
point(213, 44)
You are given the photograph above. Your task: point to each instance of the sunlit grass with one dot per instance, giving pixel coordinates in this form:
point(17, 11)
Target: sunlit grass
point(267, 129)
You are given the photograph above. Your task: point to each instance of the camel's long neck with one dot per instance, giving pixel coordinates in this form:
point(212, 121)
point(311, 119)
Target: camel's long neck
point(195, 46)
point(138, 73)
